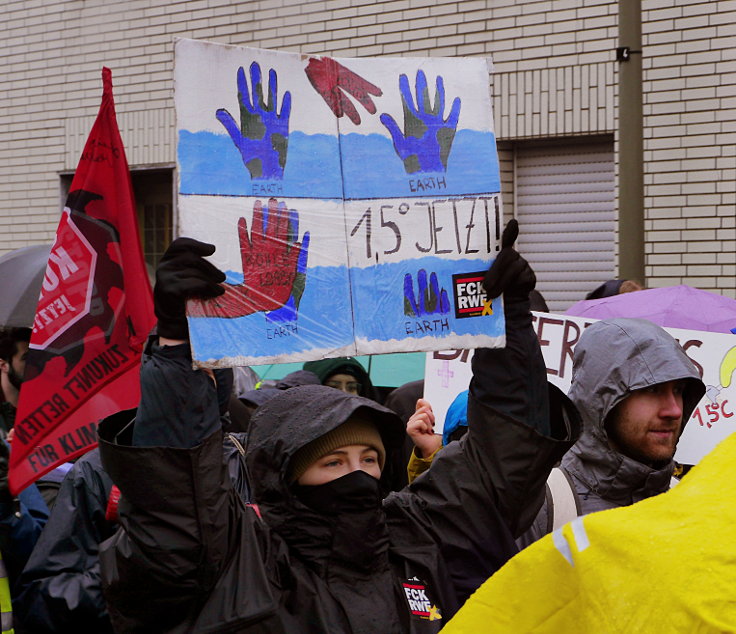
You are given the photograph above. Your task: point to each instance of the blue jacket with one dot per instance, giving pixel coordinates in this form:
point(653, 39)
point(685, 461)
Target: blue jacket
point(21, 522)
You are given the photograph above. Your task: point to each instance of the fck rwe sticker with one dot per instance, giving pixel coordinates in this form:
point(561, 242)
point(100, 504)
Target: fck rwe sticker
point(470, 296)
point(418, 599)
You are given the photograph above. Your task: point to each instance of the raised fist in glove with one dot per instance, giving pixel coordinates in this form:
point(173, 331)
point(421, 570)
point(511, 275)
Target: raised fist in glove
point(183, 273)
point(510, 273)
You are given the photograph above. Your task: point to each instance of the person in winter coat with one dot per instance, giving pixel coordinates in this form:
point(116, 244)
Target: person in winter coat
point(22, 519)
point(664, 564)
point(60, 589)
point(13, 351)
point(344, 373)
point(635, 389)
point(321, 552)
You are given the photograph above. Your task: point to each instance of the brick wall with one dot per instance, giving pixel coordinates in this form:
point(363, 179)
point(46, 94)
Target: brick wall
point(53, 51)
point(690, 143)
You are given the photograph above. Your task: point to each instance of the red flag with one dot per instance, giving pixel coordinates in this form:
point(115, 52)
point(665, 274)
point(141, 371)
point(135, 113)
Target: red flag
point(93, 316)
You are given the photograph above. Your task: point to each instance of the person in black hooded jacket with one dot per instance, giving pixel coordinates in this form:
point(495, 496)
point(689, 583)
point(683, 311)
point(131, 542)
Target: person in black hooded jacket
point(60, 588)
point(344, 373)
point(320, 553)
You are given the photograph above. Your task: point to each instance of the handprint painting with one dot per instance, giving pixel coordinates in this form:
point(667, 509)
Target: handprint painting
point(287, 291)
point(260, 123)
point(250, 124)
point(262, 136)
point(432, 133)
point(426, 141)
point(274, 266)
point(342, 195)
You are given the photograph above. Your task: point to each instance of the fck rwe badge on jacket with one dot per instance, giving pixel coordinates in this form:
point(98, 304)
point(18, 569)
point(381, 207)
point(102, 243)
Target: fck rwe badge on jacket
point(419, 600)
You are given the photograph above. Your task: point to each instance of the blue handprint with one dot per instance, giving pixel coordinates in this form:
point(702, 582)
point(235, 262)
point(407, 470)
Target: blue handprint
point(427, 138)
point(263, 135)
point(289, 311)
point(432, 300)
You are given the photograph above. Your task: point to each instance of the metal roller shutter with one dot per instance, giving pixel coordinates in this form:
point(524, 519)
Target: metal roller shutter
point(565, 203)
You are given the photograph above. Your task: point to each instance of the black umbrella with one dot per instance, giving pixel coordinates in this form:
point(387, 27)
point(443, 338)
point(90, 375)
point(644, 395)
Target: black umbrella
point(21, 275)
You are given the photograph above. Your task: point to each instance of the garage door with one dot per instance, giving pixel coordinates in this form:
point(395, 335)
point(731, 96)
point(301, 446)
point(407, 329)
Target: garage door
point(565, 204)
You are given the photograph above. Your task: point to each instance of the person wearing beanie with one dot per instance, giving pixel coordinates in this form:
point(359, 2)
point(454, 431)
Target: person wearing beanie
point(323, 550)
point(344, 373)
point(356, 437)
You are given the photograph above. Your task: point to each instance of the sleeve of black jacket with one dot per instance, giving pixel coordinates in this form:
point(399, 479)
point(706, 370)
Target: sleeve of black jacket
point(182, 522)
point(60, 589)
point(484, 490)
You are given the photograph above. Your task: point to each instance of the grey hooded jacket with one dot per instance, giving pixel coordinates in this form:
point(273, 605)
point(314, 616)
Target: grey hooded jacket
point(612, 359)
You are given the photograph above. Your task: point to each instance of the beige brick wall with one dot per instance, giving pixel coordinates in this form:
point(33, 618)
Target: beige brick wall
point(689, 66)
point(555, 76)
point(53, 51)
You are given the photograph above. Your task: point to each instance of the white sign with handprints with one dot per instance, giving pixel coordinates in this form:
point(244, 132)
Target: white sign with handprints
point(354, 203)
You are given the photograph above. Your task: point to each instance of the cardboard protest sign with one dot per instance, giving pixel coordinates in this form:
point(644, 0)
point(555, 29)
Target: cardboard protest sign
point(448, 372)
point(93, 316)
point(354, 203)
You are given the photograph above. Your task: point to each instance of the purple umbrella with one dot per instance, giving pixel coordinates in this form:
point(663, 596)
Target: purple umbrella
point(673, 307)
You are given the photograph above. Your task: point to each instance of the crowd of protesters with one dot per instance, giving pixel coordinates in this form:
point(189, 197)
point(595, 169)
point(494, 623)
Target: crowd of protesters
point(222, 504)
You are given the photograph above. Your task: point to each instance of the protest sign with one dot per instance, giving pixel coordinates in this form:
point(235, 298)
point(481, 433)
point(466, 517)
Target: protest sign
point(354, 203)
point(94, 313)
point(448, 373)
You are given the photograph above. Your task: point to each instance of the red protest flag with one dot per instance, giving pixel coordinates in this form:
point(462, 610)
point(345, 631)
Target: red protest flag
point(93, 316)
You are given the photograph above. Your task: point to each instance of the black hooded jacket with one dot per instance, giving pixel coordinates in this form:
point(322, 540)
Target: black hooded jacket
point(60, 589)
point(60, 585)
point(191, 557)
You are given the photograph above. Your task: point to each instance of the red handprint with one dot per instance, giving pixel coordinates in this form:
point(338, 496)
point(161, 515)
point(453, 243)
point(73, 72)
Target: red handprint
point(270, 257)
point(328, 78)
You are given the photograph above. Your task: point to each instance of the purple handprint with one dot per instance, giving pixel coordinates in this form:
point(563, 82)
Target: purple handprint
point(425, 144)
point(431, 299)
point(263, 134)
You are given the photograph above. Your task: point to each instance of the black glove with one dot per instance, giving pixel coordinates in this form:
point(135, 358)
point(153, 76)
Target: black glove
point(183, 273)
point(513, 379)
point(5, 495)
point(510, 273)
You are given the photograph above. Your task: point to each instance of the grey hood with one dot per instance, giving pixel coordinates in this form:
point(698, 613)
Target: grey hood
point(613, 358)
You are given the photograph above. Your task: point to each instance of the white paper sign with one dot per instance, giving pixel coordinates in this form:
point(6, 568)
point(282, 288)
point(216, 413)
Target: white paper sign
point(354, 203)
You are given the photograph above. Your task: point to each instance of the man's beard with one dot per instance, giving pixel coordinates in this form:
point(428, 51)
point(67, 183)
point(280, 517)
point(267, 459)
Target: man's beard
point(16, 380)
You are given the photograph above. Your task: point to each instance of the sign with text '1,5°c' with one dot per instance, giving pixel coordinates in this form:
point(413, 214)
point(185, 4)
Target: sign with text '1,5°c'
point(354, 203)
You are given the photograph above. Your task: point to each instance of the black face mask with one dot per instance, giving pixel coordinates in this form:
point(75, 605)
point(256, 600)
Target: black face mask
point(355, 492)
